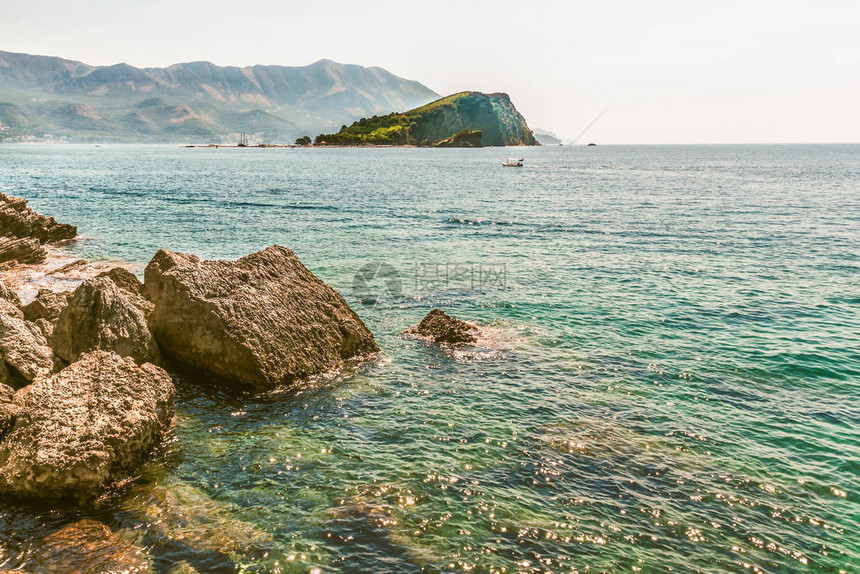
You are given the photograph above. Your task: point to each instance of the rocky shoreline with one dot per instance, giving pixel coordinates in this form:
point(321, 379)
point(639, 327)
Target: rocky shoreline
point(86, 390)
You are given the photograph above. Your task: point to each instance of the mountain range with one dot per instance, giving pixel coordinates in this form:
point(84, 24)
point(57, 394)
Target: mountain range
point(44, 98)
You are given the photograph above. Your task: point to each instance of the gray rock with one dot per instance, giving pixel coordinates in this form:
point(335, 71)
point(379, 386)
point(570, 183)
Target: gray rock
point(260, 321)
point(23, 348)
point(100, 315)
point(8, 414)
point(82, 429)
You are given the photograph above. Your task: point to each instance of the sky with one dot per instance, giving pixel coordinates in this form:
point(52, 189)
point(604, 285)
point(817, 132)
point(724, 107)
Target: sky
point(670, 71)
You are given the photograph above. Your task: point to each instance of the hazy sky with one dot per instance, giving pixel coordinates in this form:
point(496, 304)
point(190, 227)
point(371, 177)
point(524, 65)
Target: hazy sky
point(672, 71)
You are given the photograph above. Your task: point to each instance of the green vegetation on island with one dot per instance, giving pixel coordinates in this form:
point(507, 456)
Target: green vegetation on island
point(466, 119)
point(44, 98)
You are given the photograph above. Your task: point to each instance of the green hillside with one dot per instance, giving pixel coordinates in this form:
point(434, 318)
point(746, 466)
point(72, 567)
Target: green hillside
point(449, 121)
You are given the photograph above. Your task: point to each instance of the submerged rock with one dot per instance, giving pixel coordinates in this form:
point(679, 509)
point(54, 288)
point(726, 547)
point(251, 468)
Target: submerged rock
point(442, 328)
point(81, 429)
point(183, 513)
point(187, 531)
point(23, 348)
point(101, 315)
point(260, 321)
point(18, 220)
point(88, 546)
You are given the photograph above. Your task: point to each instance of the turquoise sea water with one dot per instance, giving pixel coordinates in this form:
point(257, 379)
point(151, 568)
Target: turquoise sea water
point(673, 382)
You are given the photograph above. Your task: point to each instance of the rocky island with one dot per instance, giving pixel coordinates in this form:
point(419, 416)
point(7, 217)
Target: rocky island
point(467, 119)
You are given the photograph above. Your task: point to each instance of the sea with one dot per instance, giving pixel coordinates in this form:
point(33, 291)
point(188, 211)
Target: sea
point(670, 380)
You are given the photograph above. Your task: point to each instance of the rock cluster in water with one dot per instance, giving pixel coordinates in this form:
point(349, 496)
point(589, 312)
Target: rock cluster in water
point(84, 394)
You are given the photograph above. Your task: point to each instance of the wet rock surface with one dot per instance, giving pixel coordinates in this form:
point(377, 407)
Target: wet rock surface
point(260, 321)
point(101, 315)
point(81, 429)
point(440, 327)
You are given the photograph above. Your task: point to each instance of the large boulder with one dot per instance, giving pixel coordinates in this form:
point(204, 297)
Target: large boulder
point(79, 430)
point(180, 512)
point(18, 220)
point(440, 327)
point(23, 348)
point(260, 321)
point(101, 315)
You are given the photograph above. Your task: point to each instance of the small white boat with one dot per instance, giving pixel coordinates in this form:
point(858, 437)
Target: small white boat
point(513, 162)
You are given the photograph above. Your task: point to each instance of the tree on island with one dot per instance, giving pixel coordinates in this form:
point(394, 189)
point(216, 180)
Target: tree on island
point(304, 140)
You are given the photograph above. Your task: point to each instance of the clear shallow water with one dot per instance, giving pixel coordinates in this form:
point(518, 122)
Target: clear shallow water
point(673, 385)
